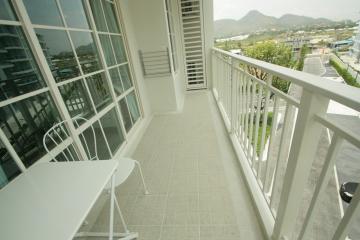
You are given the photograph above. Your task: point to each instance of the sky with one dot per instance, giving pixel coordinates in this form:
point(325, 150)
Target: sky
point(332, 9)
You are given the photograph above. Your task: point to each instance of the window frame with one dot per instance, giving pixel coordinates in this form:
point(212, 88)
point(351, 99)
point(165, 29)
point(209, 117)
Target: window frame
point(52, 87)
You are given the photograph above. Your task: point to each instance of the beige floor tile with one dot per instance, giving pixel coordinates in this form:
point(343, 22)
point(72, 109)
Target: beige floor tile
point(220, 232)
point(182, 209)
point(184, 183)
point(212, 182)
point(186, 164)
point(180, 233)
point(146, 232)
point(185, 173)
point(148, 210)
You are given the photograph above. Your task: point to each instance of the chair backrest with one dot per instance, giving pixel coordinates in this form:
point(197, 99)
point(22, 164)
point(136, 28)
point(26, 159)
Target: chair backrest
point(57, 140)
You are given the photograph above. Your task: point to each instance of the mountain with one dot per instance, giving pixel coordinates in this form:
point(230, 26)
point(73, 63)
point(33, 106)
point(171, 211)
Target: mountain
point(256, 21)
point(291, 20)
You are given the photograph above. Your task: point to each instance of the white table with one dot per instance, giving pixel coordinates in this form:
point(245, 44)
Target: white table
point(51, 200)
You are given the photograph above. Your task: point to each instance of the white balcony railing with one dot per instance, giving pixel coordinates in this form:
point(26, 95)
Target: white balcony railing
point(277, 158)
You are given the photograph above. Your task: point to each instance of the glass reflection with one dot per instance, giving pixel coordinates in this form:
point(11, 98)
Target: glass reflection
point(67, 155)
point(6, 11)
point(76, 99)
point(86, 51)
point(108, 52)
point(8, 168)
point(133, 106)
point(110, 15)
point(99, 90)
point(125, 115)
point(74, 13)
point(19, 73)
point(116, 81)
point(88, 141)
point(97, 12)
point(25, 123)
point(59, 55)
point(118, 48)
point(112, 130)
point(43, 12)
point(125, 76)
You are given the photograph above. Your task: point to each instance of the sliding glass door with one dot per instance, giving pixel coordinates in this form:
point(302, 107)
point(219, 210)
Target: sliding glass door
point(61, 59)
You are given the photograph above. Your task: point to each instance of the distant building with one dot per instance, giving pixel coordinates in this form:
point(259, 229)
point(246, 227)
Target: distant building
point(297, 42)
point(355, 50)
point(342, 44)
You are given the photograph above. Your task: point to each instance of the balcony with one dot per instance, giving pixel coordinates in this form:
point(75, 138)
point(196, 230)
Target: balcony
point(240, 160)
point(214, 172)
point(197, 191)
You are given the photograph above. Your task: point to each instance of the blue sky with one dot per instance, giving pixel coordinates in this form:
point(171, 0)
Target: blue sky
point(332, 9)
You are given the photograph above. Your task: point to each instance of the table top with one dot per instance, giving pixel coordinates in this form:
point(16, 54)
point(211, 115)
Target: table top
point(51, 200)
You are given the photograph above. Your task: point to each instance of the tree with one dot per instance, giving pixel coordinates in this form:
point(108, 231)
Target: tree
point(303, 51)
point(271, 52)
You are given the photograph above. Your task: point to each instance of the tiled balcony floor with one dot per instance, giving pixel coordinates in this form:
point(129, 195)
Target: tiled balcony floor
point(196, 188)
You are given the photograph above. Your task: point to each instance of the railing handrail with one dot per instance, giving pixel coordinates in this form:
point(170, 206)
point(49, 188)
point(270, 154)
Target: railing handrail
point(341, 93)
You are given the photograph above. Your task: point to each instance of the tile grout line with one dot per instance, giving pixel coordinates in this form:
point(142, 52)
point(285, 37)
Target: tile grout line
point(198, 212)
point(167, 194)
point(139, 192)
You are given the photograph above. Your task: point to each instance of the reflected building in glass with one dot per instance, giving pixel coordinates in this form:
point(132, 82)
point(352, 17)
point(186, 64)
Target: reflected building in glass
point(81, 69)
point(18, 71)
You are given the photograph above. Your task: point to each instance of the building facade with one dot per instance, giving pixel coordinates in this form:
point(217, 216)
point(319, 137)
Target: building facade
point(355, 50)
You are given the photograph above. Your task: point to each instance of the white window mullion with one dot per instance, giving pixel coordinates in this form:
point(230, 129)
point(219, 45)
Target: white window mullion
point(46, 72)
point(12, 23)
point(103, 62)
point(83, 77)
point(23, 96)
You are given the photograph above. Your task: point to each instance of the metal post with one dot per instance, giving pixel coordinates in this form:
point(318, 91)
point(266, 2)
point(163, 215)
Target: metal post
point(112, 201)
point(232, 101)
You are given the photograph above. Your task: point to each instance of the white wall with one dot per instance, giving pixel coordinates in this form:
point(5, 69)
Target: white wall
point(147, 31)
point(208, 27)
point(180, 74)
point(128, 31)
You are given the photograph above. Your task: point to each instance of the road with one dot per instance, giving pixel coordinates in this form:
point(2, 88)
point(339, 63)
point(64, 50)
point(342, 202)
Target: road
point(314, 66)
point(347, 162)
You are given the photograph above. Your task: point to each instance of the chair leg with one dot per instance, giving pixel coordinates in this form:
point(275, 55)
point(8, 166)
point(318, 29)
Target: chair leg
point(142, 177)
point(121, 216)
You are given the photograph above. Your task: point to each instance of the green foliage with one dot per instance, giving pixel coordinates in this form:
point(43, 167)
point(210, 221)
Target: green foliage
point(267, 131)
point(228, 45)
point(271, 52)
point(303, 51)
point(349, 79)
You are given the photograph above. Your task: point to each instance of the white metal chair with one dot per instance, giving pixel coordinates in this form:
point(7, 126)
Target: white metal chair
point(63, 149)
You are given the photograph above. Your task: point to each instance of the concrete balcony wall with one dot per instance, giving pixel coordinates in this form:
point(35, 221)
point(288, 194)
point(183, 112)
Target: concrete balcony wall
point(208, 20)
point(133, 57)
point(179, 75)
point(147, 31)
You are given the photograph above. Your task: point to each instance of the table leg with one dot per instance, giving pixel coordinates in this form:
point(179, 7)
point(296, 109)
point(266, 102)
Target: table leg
point(121, 216)
point(112, 200)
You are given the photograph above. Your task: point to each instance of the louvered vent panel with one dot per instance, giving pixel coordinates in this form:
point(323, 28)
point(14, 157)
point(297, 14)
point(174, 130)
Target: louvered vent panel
point(193, 43)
